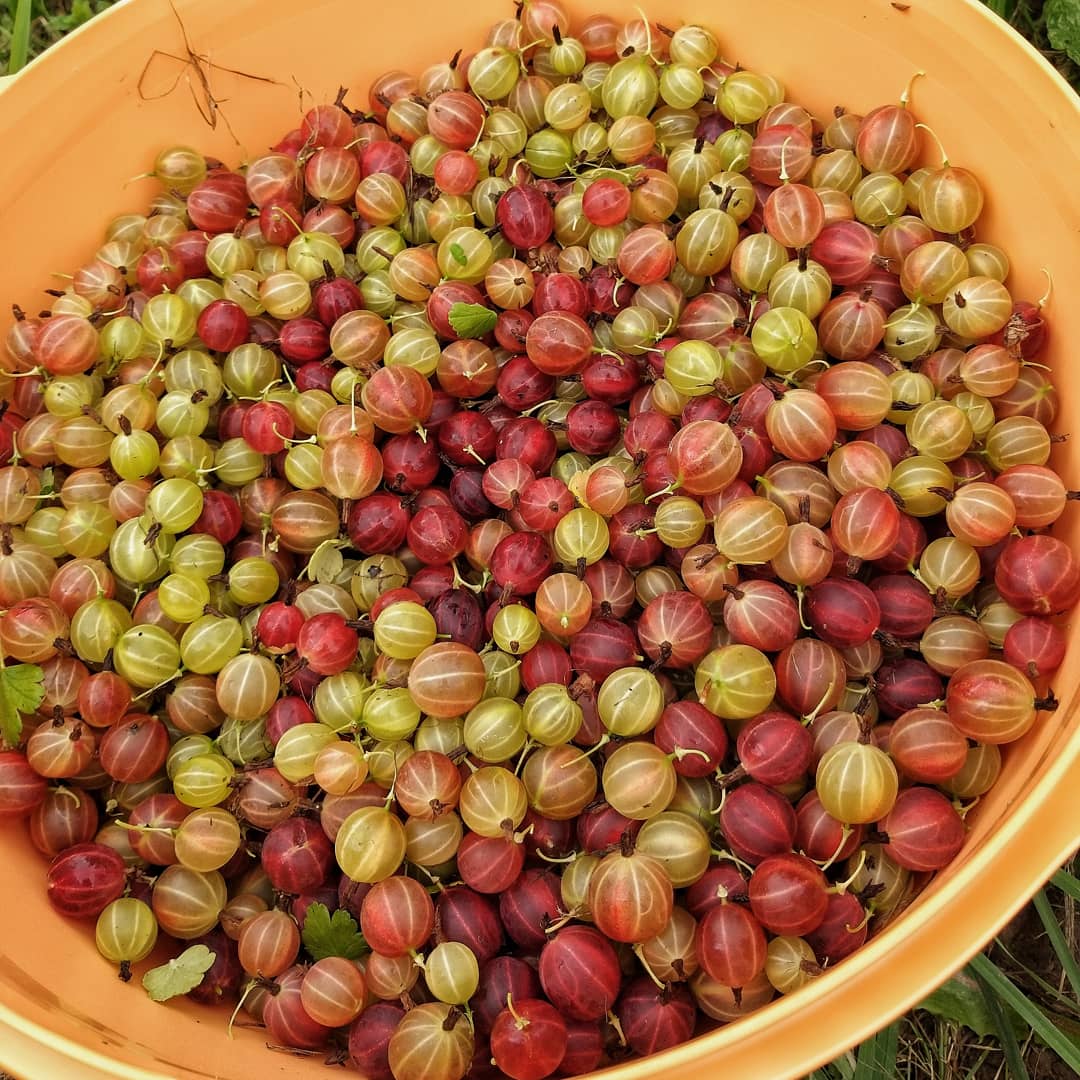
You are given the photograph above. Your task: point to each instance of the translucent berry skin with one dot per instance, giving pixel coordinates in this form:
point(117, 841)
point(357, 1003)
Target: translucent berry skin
point(1038, 575)
point(369, 1039)
point(580, 973)
point(525, 216)
point(717, 884)
point(222, 980)
point(327, 644)
point(21, 789)
point(466, 916)
point(843, 613)
point(655, 1019)
point(528, 1039)
point(584, 1047)
point(630, 896)
point(905, 685)
point(83, 880)
point(788, 895)
point(397, 916)
point(821, 837)
point(606, 202)
point(694, 735)
point(1036, 646)
point(758, 822)
point(842, 930)
point(223, 325)
point(906, 606)
point(601, 826)
point(489, 864)
point(927, 746)
point(499, 977)
point(529, 906)
point(731, 945)
point(775, 749)
point(286, 1021)
point(991, 702)
point(297, 855)
point(925, 833)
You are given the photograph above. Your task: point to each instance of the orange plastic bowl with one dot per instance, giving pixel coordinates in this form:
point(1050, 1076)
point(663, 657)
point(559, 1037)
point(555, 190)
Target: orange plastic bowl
point(78, 126)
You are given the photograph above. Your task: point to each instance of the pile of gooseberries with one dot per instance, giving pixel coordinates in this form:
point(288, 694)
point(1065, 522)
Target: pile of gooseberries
point(578, 515)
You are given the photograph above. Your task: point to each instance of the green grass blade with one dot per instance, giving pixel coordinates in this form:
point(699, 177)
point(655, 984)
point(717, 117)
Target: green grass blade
point(1002, 8)
point(866, 1059)
point(1060, 999)
point(890, 1047)
point(20, 36)
point(876, 1058)
point(973, 1072)
point(1040, 1023)
point(1006, 1036)
point(1057, 940)
point(1068, 884)
point(843, 1066)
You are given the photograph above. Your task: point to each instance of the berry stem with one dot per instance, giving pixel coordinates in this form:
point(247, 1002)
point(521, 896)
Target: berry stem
point(941, 148)
point(905, 97)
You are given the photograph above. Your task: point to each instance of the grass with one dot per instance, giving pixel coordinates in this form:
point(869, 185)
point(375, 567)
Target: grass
point(1014, 1012)
point(29, 27)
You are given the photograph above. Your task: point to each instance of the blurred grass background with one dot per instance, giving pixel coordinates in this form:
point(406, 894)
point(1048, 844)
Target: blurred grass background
point(29, 27)
point(1014, 1012)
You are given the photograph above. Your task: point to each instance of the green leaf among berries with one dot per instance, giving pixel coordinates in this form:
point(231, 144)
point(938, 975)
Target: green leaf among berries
point(1063, 26)
point(332, 935)
point(472, 320)
point(180, 975)
point(21, 691)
